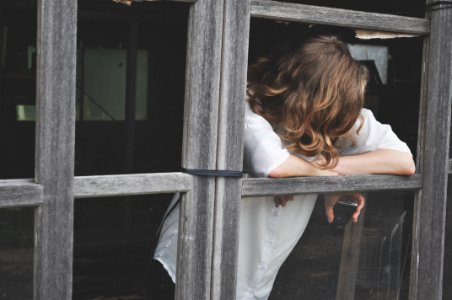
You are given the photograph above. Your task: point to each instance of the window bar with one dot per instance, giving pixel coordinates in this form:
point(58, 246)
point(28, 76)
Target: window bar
point(199, 148)
point(230, 147)
point(430, 206)
point(55, 130)
point(15, 193)
point(340, 17)
point(131, 184)
point(329, 184)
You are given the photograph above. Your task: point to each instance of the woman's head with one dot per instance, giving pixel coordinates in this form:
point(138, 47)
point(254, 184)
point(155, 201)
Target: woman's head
point(313, 93)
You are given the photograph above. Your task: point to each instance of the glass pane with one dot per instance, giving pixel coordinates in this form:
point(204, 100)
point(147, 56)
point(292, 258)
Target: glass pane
point(104, 84)
point(16, 253)
point(115, 239)
point(17, 87)
point(106, 141)
point(411, 8)
point(365, 260)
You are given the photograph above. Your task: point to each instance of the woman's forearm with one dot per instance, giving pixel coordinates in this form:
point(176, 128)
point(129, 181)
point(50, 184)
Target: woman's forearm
point(382, 161)
point(295, 166)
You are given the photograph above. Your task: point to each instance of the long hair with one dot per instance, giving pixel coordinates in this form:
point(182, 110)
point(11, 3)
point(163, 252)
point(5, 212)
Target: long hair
point(311, 95)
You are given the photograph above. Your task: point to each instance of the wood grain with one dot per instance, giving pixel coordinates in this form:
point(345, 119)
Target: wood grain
point(307, 185)
point(430, 208)
point(202, 88)
point(133, 184)
point(55, 130)
point(15, 193)
point(230, 147)
point(338, 17)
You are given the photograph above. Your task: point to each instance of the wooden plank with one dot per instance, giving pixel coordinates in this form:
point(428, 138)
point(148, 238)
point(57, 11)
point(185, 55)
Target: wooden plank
point(129, 2)
point(339, 17)
point(419, 166)
point(14, 193)
point(133, 184)
point(307, 185)
point(55, 130)
point(230, 147)
point(430, 208)
point(185, 1)
point(199, 147)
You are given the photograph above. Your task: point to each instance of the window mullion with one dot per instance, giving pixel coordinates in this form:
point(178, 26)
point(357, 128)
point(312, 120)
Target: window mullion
point(430, 207)
point(230, 147)
point(199, 148)
point(55, 132)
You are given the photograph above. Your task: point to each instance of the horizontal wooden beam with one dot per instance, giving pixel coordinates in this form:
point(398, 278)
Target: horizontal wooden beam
point(338, 17)
point(307, 185)
point(186, 1)
point(133, 184)
point(15, 193)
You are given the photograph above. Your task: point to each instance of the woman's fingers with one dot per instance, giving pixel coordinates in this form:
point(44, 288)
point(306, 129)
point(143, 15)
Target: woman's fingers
point(361, 201)
point(282, 200)
point(330, 201)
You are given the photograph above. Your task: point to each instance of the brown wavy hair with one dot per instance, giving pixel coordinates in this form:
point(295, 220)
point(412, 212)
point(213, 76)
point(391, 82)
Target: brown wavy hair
point(312, 95)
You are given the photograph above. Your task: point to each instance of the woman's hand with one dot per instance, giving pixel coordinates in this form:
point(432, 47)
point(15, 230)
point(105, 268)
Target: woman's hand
point(282, 200)
point(331, 200)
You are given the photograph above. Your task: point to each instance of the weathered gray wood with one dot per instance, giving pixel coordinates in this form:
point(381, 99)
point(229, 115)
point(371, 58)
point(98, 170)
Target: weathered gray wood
point(348, 269)
point(14, 193)
point(200, 146)
point(230, 147)
point(131, 184)
point(306, 185)
point(339, 17)
point(450, 166)
point(55, 129)
point(129, 2)
point(430, 208)
point(419, 166)
point(187, 1)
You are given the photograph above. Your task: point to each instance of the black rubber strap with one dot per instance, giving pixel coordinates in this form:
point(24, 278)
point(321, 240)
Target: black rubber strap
point(213, 173)
point(438, 5)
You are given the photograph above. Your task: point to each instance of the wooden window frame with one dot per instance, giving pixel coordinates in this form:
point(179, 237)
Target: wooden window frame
point(218, 34)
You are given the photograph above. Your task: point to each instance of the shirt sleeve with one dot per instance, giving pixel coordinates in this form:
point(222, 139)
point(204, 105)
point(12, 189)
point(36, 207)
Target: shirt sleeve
point(372, 136)
point(264, 150)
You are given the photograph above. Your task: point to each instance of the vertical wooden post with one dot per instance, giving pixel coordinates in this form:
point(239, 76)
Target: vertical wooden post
point(430, 207)
point(230, 147)
point(200, 148)
point(55, 128)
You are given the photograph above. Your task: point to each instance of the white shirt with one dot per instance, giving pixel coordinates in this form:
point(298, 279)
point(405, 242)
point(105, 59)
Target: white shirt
point(267, 234)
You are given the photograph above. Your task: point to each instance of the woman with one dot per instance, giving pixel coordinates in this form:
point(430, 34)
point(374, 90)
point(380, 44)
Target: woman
point(304, 117)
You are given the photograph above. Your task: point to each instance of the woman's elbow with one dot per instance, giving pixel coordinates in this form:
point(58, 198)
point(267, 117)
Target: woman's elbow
point(408, 167)
point(277, 173)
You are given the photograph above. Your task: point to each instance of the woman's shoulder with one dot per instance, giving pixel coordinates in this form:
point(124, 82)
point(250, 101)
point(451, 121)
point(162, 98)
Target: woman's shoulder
point(255, 121)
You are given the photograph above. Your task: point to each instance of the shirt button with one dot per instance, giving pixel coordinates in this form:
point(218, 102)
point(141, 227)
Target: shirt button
point(275, 213)
point(262, 267)
point(269, 242)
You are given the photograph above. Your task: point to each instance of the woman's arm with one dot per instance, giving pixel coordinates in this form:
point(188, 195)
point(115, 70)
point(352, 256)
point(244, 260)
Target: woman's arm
point(381, 161)
point(295, 166)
